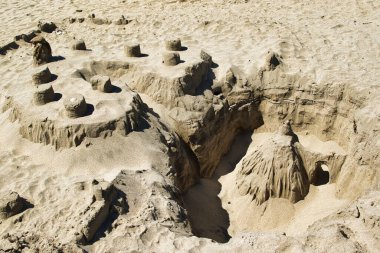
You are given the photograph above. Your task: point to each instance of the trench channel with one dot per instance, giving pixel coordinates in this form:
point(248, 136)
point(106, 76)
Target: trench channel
point(207, 217)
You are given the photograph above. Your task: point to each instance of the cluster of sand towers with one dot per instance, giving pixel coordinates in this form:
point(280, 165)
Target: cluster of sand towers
point(75, 105)
point(42, 54)
point(169, 58)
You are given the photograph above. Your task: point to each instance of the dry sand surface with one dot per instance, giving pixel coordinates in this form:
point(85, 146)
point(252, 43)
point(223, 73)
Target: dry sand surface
point(189, 126)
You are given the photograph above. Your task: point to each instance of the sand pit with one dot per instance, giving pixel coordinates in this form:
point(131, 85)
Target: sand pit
point(189, 126)
point(286, 214)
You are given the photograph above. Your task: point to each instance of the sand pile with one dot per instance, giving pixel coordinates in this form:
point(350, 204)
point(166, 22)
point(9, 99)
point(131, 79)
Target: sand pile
point(274, 170)
point(189, 126)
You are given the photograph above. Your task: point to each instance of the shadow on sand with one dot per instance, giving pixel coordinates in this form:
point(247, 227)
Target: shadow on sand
point(206, 214)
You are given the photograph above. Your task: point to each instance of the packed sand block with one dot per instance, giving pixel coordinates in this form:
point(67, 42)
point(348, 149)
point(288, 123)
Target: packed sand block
point(41, 77)
point(132, 50)
point(67, 122)
point(47, 27)
point(169, 89)
point(170, 59)
point(107, 200)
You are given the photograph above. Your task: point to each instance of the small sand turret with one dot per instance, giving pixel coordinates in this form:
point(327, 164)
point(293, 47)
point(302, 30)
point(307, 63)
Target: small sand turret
point(173, 45)
point(206, 56)
point(42, 50)
point(101, 83)
point(75, 106)
point(42, 77)
point(132, 50)
point(78, 45)
point(43, 94)
point(170, 58)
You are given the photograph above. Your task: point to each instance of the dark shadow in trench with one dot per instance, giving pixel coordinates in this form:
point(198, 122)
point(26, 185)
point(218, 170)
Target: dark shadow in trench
point(320, 176)
point(205, 212)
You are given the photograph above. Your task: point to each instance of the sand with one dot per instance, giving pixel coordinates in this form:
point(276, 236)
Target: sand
point(154, 160)
point(285, 217)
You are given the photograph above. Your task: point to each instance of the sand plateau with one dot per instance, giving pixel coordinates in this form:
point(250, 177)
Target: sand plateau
point(189, 126)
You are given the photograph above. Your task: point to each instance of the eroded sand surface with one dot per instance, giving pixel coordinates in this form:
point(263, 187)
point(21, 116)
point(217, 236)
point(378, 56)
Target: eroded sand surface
point(259, 133)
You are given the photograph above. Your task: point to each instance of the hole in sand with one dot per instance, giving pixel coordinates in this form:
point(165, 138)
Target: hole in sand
point(207, 217)
point(322, 174)
point(218, 209)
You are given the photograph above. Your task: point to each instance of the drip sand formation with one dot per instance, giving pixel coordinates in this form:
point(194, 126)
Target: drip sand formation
point(198, 111)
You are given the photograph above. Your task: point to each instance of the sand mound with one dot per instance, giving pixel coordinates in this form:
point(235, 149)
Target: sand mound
point(274, 170)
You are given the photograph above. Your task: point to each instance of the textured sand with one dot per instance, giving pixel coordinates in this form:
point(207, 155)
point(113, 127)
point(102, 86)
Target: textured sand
point(326, 43)
point(280, 214)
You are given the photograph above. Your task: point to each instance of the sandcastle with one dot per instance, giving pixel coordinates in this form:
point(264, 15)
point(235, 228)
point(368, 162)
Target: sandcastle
point(66, 122)
point(179, 132)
